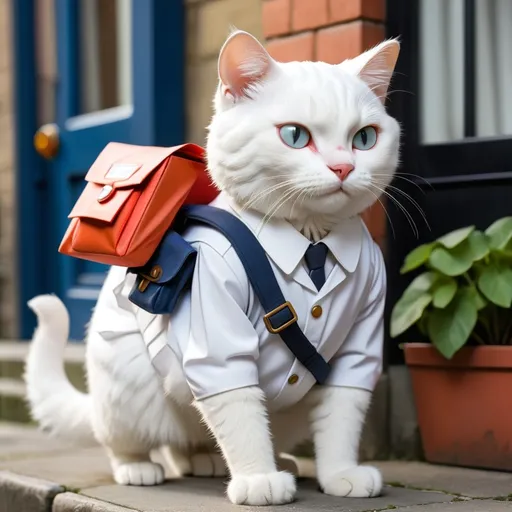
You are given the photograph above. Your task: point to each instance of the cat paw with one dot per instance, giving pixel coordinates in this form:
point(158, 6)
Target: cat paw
point(262, 489)
point(356, 482)
point(139, 473)
point(208, 465)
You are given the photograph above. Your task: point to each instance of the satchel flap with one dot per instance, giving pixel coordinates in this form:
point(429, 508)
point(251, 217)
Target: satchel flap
point(162, 281)
point(118, 168)
point(88, 206)
point(126, 165)
point(171, 256)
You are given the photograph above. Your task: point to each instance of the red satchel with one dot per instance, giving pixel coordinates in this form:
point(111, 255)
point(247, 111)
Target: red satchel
point(131, 198)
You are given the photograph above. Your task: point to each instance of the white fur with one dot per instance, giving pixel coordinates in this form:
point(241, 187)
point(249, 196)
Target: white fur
point(340, 414)
point(129, 410)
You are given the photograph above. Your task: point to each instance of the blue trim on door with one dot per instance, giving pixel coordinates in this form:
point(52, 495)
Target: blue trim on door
point(158, 49)
point(66, 19)
point(30, 168)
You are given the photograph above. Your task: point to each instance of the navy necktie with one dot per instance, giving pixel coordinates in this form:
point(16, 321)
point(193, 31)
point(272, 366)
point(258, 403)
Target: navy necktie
point(315, 260)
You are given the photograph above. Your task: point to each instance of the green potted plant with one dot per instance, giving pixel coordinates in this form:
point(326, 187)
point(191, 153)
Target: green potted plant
point(462, 379)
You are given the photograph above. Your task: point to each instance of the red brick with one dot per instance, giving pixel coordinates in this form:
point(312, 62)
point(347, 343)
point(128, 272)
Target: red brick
point(276, 17)
point(375, 220)
point(346, 41)
point(298, 47)
point(373, 34)
point(308, 14)
point(346, 10)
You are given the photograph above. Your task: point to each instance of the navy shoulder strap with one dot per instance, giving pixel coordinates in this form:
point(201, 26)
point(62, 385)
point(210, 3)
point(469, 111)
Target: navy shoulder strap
point(280, 317)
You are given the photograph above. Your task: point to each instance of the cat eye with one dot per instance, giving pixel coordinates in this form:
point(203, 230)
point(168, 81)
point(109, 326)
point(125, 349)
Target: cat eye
point(294, 135)
point(365, 138)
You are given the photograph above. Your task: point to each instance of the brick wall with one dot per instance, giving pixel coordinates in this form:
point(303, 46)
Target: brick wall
point(7, 217)
point(208, 25)
point(331, 31)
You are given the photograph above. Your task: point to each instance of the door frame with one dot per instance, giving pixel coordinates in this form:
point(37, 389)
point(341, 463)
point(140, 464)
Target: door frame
point(160, 32)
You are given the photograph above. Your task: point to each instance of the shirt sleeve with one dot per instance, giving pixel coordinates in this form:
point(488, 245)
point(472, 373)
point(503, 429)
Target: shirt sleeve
point(358, 363)
point(223, 346)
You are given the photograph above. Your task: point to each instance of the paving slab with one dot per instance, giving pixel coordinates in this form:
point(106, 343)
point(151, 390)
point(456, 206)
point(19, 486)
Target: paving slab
point(25, 494)
point(207, 495)
point(473, 505)
point(70, 502)
point(24, 441)
point(76, 469)
point(468, 482)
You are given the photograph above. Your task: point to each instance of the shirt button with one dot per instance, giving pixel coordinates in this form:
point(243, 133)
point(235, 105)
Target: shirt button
point(293, 379)
point(316, 311)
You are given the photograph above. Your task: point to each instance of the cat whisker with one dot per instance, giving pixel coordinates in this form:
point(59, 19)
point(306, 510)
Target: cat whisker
point(277, 205)
point(401, 175)
point(385, 211)
point(402, 208)
point(303, 193)
point(262, 193)
point(413, 202)
point(408, 180)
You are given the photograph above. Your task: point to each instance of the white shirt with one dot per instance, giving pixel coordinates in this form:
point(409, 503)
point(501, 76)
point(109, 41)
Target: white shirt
point(218, 333)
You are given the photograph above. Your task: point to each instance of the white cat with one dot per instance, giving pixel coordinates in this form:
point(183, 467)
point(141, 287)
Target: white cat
point(298, 150)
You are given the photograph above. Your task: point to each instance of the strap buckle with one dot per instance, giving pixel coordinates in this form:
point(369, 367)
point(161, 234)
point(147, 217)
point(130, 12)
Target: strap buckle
point(268, 318)
point(154, 275)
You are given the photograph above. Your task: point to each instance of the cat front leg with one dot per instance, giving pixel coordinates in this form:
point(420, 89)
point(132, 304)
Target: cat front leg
point(239, 421)
point(337, 423)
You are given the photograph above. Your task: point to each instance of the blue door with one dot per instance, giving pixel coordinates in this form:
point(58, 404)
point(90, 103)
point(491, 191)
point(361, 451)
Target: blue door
point(120, 73)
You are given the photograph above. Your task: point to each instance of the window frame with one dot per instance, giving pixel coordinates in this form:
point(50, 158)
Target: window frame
point(452, 166)
point(469, 161)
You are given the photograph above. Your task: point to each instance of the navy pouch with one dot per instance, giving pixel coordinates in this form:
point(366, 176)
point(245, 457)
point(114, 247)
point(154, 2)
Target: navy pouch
point(165, 277)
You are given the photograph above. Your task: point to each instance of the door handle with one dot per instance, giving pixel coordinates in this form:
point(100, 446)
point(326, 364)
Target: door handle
point(46, 140)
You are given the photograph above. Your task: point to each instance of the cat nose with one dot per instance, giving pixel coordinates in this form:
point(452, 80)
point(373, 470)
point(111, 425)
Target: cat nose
point(342, 170)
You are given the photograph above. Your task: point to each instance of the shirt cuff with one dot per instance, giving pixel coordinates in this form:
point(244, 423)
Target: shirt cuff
point(206, 381)
point(352, 371)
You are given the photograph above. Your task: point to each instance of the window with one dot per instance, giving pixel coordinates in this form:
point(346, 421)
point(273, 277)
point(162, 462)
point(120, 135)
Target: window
point(451, 97)
point(465, 69)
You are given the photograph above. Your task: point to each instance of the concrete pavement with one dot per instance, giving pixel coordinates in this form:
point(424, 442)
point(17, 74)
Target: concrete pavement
point(42, 475)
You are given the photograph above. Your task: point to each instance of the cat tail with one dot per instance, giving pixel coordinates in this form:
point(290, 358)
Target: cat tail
point(55, 403)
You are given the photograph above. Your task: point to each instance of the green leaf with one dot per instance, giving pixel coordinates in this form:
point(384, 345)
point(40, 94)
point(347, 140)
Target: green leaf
point(507, 250)
point(408, 311)
point(454, 238)
point(500, 232)
point(417, 257)
point(422, 324)
point(444, 293)
point(423, 282)
point(450, 328)
point(495, 283)
point(473, 295)
point(479, 245)
point(454, 262)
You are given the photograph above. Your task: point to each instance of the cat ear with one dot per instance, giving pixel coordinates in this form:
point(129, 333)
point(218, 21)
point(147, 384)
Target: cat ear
point(243, 62)
point(376, 66)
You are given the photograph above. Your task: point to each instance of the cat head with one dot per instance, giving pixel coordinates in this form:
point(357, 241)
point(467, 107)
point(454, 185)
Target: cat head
point(302, 139)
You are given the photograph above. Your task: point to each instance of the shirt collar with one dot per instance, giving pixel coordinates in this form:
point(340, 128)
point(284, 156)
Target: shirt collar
point(286, 246)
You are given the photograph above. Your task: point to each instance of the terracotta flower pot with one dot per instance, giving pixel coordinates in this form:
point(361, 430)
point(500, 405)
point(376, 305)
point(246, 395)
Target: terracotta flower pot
point(464, 406)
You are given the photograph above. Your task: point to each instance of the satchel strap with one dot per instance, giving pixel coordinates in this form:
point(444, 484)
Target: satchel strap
point(280, 317)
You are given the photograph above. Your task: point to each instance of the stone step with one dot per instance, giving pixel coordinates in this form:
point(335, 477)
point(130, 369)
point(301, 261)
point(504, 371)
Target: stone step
point(12, 400)
point(12, 388)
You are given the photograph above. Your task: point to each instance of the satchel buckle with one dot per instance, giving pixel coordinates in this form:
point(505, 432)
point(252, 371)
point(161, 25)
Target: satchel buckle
point(106, 193)
point(154, 275)
point(277, 329)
